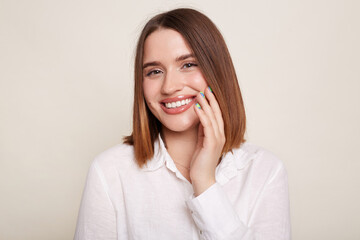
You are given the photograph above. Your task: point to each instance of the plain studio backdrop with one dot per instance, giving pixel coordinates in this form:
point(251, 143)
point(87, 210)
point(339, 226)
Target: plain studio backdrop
point(66, 83)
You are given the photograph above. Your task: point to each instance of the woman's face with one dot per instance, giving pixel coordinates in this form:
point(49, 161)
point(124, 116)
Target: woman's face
point(172, 79)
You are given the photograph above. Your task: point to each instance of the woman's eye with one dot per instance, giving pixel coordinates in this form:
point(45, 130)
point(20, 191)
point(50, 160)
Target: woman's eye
point(153, 72)
point(189, 65)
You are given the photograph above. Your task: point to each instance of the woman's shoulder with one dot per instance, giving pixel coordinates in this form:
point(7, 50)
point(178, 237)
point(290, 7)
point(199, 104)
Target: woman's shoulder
point(258, 157)
point(259, 165)
point(120, 156)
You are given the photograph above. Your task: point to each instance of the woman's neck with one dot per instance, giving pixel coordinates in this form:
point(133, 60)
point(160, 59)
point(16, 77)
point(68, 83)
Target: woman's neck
point(181, 145)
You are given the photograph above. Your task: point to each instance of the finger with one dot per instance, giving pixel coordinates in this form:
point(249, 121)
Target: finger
point(215, 108)
point(200, 136)
point(209, 112)
point(208, 129)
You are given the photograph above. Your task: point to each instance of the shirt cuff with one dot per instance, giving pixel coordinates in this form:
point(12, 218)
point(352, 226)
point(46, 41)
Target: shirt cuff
point(214, 214)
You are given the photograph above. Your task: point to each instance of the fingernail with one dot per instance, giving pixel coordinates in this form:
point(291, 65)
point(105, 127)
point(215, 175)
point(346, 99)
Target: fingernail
point(202, 94)
point(210, 89)
point(198, 105)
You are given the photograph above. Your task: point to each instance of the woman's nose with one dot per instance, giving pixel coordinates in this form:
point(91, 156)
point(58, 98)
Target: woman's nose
point(172, 83)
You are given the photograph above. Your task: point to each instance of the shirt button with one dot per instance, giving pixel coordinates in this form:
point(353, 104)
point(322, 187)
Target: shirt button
point(191, 212)
point(200, 232)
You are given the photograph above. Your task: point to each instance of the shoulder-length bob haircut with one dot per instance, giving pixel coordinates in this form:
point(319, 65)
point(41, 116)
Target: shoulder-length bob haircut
point(214, 60)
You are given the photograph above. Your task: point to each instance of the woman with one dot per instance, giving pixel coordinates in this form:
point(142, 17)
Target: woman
point(186, 171)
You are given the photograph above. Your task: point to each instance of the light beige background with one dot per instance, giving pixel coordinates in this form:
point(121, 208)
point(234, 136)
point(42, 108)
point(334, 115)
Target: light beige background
point(66, 95)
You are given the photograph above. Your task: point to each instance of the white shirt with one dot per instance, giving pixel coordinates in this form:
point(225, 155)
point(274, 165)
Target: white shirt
point(121, 201)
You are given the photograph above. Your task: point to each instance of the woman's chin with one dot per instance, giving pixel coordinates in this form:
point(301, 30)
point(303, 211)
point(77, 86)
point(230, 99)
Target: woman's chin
point(182, 126)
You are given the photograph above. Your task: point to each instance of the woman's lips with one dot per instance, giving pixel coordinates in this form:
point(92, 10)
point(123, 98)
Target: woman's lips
point(177, 104)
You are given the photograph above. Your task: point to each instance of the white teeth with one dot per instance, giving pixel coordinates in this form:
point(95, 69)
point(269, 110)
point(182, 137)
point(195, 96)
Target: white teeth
point(178, 103)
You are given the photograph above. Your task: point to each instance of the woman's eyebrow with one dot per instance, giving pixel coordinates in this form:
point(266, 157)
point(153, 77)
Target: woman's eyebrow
point(148, 64)
point(183, 57)
point(178, 59)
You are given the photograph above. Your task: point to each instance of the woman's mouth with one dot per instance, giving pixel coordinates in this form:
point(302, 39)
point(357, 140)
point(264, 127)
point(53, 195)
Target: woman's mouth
point(177, 105)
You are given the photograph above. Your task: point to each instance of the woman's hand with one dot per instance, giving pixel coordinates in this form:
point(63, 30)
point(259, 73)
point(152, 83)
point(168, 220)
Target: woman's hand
point(211, 140)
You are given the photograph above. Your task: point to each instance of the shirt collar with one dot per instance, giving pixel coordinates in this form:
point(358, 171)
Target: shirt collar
point(157, 161)
point(231, 163)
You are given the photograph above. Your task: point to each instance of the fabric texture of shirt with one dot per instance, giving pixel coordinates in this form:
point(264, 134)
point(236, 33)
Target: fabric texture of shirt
point(122, 201)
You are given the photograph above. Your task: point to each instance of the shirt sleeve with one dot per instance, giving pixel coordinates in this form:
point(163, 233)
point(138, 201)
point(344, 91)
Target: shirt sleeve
point(216, 217)
point(97, 218)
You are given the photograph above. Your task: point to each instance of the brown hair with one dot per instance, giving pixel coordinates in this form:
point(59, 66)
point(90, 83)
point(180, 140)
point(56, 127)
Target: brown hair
point(215, 62)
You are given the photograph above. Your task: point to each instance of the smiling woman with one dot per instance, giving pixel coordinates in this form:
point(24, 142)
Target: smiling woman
point(171, 80)
point(186, 171)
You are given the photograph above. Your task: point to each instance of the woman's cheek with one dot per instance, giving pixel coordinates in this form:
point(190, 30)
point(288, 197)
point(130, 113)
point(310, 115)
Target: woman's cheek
point(148, 89)
point(197, 81)
point(151, 91)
